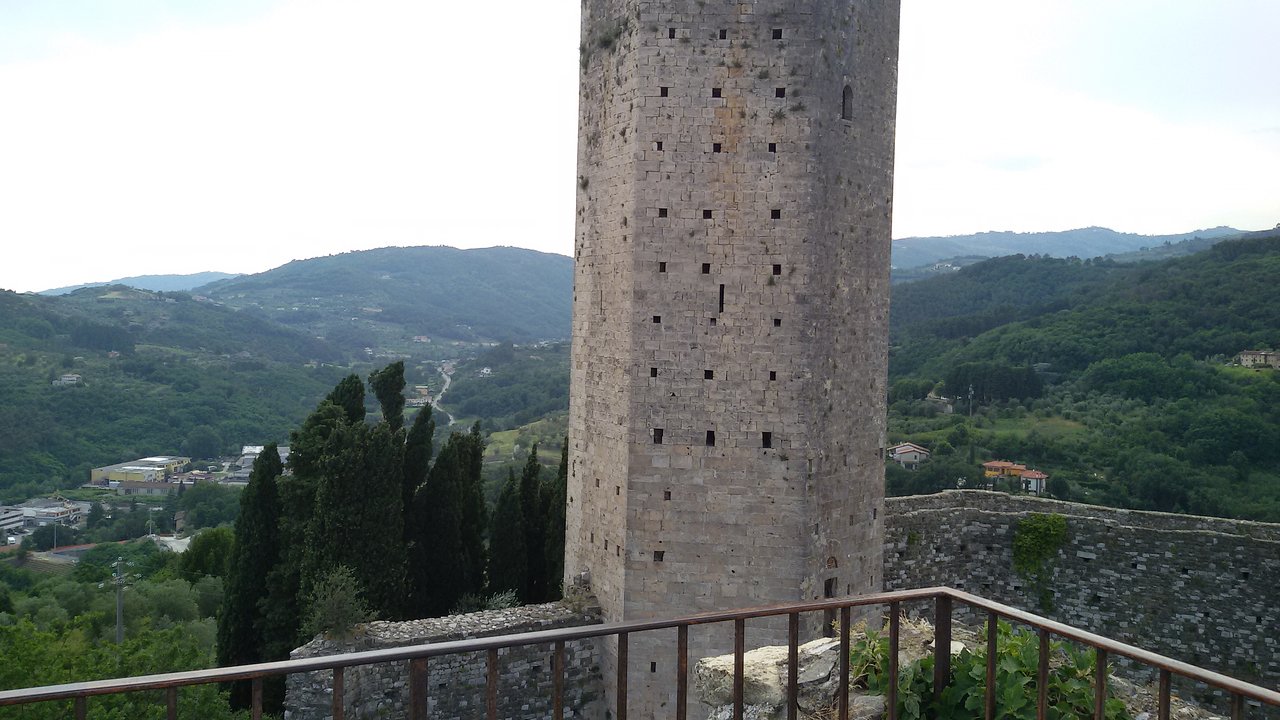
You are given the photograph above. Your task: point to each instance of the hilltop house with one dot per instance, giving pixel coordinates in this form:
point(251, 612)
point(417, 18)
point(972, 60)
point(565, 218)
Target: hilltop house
point(1030, 479)
point(1259, 358)
point(67, 379)
point(908, 455)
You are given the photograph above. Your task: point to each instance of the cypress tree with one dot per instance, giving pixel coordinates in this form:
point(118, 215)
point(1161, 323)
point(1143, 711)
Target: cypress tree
point(556, 492)
point(531, 507)
point(388, 386)
point(436, 557)
point(475, 516)
point(253, 557)
point(349, 395)
point(417, 459)
point(508, 555)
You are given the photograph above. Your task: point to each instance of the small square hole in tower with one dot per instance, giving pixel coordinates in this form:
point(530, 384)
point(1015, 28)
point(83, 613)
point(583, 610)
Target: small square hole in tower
point(777, 322)
point(780, 92)
point(671, 33)
point(597, 482)
point(773, 147)
point(711, 322)
point(711, 438)
point(662, 267)
point(708, 374)
point(663, 91)
point(715, 147)
point(716, 92)
point(657, 319)
point(777, 268)
point(657, 440)
point(724, 34)
point(706, 214)
point(706, 268)
point(666, 494)
point(662, 212)
point(774, 214)
point(766, 439)
point(657, 145)
point(773, 375)
point(658, 556)
point(653, 372)
point(617, 490)
point(777, 33)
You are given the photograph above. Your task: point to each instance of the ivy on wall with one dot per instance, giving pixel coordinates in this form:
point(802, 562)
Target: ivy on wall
point(1036, 542)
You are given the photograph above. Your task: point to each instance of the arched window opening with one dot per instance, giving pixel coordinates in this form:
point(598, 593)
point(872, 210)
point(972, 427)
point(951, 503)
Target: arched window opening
point(846, 104)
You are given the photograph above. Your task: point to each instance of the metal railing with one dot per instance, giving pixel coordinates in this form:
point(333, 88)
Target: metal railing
point(418, 658)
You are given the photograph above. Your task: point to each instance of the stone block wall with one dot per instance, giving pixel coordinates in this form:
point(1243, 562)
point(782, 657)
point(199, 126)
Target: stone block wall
point(456, 689)
point(1203, 590)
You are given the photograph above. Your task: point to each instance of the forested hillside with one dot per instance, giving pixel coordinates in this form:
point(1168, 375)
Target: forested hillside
point(1113, 377)
point(386, 296)
point(157, 374)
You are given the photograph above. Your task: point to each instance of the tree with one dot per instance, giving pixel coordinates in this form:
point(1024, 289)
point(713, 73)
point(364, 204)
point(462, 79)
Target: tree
point(417, 457)
point(435, 548)
point(202, 442)
point(556, 492)
point(388, 386)
point(508, 553)
point(336, 604)
point(349, 395)
point(1059, 488)
point(535, 529)
point(208, 554)
point(97, 514)
point(254, 555)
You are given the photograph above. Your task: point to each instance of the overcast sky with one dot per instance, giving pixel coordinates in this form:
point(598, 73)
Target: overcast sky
point(168, 136)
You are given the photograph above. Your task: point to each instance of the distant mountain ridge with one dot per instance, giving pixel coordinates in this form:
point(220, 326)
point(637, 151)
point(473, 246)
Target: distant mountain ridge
point(375, 297)
point(156, 283)
point(1082, 243)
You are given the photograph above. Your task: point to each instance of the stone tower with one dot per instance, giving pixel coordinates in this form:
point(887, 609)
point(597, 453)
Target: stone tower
point(730, 318)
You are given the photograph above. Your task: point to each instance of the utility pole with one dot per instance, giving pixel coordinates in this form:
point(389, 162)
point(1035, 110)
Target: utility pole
point(119, 579)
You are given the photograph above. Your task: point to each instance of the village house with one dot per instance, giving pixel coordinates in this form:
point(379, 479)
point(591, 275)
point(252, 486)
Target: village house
point(908, 455)
point(1029, 479)
point(149, 469)
point(67, 380)
point(1259, 358)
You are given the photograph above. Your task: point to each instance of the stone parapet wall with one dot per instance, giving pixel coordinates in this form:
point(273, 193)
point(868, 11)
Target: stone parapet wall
point(457, 682)
point(1202, 590)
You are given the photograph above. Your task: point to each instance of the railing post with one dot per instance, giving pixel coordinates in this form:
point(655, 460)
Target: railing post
point(1042, 677)
point(557, 667)
point(171, 703)
point(739, 649)
point(1100, 685)
point(621, 710)
point(255, 691)
point(491, 685)
point(993, 627)
point(1237, 706)
point(81, 708)
point(844, 663)
point(418, 690)
point(1162, 707)
point(894, 628)
point(793, 665)
point(339, 693)
point(941, 645)
point(682, 672)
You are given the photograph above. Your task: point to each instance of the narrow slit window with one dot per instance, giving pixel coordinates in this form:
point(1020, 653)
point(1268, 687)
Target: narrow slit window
point(711, 438)
point(766, 439)
point(846, 104)
point(773, 375)
point(671, 33)
point(721, 298)
point(657, 436)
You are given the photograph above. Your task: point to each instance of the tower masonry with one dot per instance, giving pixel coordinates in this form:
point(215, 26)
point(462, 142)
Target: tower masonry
point(730, 319)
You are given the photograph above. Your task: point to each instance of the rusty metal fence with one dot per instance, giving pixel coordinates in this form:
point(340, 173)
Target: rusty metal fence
point(418, 658)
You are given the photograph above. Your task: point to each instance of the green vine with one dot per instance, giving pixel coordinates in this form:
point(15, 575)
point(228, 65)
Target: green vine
point(1036, 542)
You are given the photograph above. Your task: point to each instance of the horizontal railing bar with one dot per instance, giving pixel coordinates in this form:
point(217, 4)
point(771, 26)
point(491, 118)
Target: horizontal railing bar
point(1115, 647)
point(398, 654)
